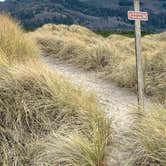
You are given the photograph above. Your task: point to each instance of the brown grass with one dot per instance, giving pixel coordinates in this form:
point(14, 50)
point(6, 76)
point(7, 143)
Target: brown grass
point(3, 60)
point(76, 44)
point(114, 56)
point(43, 117)
point(123, 70)
point(14, 43)
point(35, 102)
point(148, 138)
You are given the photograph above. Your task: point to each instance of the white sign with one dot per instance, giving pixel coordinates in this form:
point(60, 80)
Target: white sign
point(137, 15)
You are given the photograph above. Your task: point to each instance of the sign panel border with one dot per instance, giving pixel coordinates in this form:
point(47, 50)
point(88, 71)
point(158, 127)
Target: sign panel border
point(138, 12)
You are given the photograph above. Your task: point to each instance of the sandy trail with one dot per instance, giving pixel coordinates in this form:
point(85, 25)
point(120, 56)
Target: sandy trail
point(116, 100)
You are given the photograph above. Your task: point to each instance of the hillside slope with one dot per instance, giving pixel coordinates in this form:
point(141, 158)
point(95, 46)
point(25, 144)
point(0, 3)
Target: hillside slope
point(44, 119)
point(91, 13)
point(112, 57)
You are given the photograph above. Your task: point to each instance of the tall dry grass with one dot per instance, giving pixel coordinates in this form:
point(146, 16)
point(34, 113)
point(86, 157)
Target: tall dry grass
point(14, 43)
point(122, 70)
point(75, 44)
point(40, 111)
point(114, 57)
point(3, 60)
point(148, 138)
point(36, 105)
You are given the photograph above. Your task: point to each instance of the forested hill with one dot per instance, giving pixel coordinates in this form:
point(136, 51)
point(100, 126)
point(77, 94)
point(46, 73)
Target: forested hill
point(95, 14)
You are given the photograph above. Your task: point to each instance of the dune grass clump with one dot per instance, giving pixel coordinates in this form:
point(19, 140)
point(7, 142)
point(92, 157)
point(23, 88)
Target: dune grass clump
point(14, 43)
point(75, 44)
point(113, 57)
point(123, 67)
point(37, 104)
point(148, 136)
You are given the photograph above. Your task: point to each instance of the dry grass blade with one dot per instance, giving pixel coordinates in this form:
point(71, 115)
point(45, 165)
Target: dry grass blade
point(14, 43)
point(148, 138)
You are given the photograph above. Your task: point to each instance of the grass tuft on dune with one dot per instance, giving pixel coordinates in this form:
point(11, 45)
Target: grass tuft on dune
point(122, 70)
point(148, 138)
point(75, 44)
point(14, 43)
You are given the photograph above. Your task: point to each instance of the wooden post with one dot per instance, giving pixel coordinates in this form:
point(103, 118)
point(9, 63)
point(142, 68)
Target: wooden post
point(139, 62)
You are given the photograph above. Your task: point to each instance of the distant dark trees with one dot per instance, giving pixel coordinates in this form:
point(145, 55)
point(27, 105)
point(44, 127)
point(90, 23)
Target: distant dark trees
point(125, 3)
point(36, 13)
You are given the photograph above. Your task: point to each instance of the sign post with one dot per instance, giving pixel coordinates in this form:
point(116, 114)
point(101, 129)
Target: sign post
point(138, 16)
